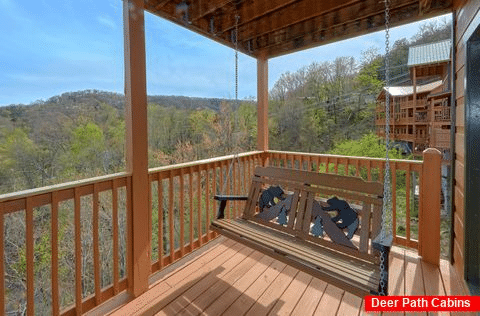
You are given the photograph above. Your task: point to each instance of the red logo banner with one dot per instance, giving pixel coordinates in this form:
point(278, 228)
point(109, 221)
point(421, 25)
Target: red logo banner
point(422, 303)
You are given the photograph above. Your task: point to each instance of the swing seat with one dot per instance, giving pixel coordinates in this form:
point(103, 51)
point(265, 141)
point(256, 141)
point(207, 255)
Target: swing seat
point(357, 265)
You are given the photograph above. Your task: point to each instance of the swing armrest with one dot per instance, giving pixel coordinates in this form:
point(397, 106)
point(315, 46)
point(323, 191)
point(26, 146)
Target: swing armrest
point(223, 202)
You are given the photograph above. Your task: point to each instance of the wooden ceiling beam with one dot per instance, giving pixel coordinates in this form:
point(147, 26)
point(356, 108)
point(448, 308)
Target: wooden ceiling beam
point(158, 4)
point(282, 11)
point(322, 19)
point(202, 9)
point(168, 11)
point(323, 29)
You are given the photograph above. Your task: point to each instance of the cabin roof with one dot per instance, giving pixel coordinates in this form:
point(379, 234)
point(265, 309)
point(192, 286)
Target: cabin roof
point(431, 53)
point(408, 90)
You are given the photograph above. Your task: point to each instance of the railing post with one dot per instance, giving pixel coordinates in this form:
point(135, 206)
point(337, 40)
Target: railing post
point(429, 221)
point(138, 250)
point(262, 100)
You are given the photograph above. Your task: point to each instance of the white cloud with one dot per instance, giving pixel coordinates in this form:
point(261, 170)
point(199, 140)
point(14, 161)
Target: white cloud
point(107, 21)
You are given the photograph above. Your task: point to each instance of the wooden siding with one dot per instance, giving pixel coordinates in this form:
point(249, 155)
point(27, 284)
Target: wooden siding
point(466, 12)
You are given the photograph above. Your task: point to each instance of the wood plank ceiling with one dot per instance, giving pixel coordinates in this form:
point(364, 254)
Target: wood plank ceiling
point(277, 27)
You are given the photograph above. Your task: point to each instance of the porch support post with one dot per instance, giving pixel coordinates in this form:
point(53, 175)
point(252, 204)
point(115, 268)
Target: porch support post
point(429, 228)
point(414, 107)
point(138, 220)
point(262, 100)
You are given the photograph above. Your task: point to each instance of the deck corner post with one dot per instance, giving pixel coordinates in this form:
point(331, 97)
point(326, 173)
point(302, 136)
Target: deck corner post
point(138, 220)
point(262, 102)
point(429, 221)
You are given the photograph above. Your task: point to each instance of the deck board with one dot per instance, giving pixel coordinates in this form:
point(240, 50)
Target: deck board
point(251, 295)
point(292, 295)
point(202, 301)
point(230, 279)
point(234, 264)
point(414, 283)
point(312, 295)
point(224, 300)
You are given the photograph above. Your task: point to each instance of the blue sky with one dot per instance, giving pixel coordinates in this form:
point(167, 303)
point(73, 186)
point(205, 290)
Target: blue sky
point(53, 46)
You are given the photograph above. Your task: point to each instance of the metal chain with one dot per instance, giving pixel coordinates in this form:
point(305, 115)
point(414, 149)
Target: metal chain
point(386, 230)
point(382, 276)
point(236, 154)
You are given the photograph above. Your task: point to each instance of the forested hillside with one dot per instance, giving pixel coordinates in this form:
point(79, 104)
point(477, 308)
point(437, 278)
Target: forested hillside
point(81, 134)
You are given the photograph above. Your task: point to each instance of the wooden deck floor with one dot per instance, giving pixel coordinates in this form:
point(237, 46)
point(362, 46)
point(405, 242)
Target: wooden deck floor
point(226, 278)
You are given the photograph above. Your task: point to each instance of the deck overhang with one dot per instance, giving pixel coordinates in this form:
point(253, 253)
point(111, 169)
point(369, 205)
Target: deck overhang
point(274, 28)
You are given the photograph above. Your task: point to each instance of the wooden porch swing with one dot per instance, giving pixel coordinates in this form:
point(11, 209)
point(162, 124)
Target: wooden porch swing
point(287, 215)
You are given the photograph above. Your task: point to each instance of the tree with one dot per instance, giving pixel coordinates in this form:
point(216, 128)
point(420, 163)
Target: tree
point(368, 76)
point(87, 148)
point(370, 145)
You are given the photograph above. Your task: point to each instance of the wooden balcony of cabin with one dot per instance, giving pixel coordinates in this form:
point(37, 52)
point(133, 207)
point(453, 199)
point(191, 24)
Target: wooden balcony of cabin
point(442, 114)
point(190, 269)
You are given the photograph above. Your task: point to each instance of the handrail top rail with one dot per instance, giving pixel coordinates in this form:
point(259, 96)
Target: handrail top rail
point(416, 162)
point(67, 185)
point(202, 162)
point(61, 186)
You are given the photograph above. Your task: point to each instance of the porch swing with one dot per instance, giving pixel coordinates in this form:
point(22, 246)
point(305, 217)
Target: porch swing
point(287, 216)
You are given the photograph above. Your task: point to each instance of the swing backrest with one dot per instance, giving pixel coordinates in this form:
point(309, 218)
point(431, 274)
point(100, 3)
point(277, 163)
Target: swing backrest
point(306, 194)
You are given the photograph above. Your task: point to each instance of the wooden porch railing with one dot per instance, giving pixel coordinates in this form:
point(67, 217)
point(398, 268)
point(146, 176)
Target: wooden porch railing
point(69, 215)
point(406, 175)
point(182, 205)
point(85, 223)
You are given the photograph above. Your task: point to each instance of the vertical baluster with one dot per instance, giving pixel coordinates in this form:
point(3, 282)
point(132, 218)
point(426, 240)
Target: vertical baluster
point(227, 186)
point(250, 167)
point(327, 163)
point(115, 235)
point(346, 167)
point(222, 186)
point(96, 248)
point(207, 201)
point(381, 171)
point(214, 191)
point(190, 204)
point(369, 170)
point(317, 162)
point(420, 225)
point(234, 187)
point(2, 268)
point(129, 217)
point(160, 220)
point(245, 176)
point(171, 221)
point(30, 249)
point(336, 165)
point(54, 245)
point(394, 199)
point(182, 213)
point(78, 253)
point(199, 206)
point(150, 214)
point(407, 220)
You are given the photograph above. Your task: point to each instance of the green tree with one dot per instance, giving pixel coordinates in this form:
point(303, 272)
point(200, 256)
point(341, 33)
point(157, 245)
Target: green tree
point(87, 147)
point(370, 145)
